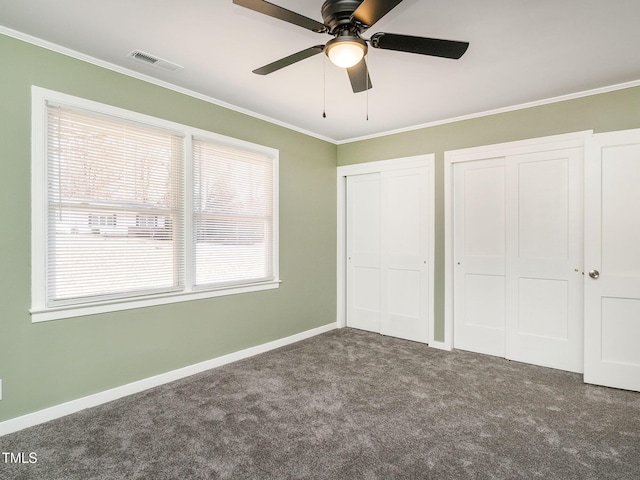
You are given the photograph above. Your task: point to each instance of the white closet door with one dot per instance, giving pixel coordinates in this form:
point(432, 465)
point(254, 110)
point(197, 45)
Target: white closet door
point(612, 260)
point(389, 252)
point(405, 254)
point(544, 297)
point(479, 256)
point(363, 251)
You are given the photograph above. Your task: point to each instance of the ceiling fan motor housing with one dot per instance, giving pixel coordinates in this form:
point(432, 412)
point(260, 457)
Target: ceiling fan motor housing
point(337, 15)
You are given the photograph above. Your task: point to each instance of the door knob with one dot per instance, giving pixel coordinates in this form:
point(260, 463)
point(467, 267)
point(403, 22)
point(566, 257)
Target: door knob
point(594, 273)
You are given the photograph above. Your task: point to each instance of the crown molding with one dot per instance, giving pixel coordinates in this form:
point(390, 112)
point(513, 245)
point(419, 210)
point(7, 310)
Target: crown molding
point(486, 113)
point(149, 79)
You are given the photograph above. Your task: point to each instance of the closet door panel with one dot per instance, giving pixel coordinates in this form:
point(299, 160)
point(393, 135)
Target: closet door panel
point(479, 255)
point(405, 254)
point(363, 251)
point(544, 259)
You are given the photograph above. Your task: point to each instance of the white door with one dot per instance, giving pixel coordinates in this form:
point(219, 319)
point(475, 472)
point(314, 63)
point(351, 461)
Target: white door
point(517, 250)
point(544, 297)
point(405, 254)
point(479, 256)
point(612, 260)
point(389, 252)
point(363, 251)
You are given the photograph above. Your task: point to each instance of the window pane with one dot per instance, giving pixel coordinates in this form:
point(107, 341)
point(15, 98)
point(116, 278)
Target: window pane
point(114, 207)
point(233, 215)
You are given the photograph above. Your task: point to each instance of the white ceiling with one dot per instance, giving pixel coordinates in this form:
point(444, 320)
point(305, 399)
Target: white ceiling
point(521, 51)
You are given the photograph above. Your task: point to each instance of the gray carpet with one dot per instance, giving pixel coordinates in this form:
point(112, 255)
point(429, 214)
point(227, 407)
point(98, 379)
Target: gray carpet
point(348, 405)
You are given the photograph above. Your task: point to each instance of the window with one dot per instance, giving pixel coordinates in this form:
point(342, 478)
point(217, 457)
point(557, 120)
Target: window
point(232, 217)
point(105, 173)
point(130, 210)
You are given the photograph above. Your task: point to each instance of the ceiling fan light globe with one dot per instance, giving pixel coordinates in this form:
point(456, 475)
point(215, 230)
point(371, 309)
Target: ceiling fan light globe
point(345, 54)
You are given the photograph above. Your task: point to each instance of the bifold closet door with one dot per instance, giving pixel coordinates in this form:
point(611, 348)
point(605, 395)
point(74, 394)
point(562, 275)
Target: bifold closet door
point(388, 253)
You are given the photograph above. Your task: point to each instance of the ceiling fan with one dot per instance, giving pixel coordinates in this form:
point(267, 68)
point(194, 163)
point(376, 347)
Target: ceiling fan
point(346, 20)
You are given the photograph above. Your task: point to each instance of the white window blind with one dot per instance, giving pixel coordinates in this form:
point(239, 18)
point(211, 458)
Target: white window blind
point(114, 208)
point(233, 238)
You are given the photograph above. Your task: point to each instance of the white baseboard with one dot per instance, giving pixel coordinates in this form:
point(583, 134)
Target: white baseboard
point(440, 345)
point(57, 411)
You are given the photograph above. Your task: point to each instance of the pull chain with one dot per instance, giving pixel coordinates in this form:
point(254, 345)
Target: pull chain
point(368, 86)
point(324, 86)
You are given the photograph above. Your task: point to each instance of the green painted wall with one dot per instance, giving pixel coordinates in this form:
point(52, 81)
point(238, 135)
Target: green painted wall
point(618, 110)
point(49, 363)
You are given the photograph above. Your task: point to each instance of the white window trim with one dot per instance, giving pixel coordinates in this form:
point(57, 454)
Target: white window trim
point(39, 311)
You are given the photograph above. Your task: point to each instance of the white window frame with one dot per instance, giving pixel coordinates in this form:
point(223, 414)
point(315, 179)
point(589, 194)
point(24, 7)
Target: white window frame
point(39, 310)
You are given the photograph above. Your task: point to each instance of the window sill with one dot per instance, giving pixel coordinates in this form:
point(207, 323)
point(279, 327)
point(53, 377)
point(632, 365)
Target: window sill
point(70, 311)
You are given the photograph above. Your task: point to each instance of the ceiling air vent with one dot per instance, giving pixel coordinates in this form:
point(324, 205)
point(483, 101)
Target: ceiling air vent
point(155, 61)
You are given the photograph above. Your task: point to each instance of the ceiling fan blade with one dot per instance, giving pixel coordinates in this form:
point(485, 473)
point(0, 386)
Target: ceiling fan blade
point(359, 76)
point(370, 11)
point(290, 60)
point(424, 46)
point(275, 11)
